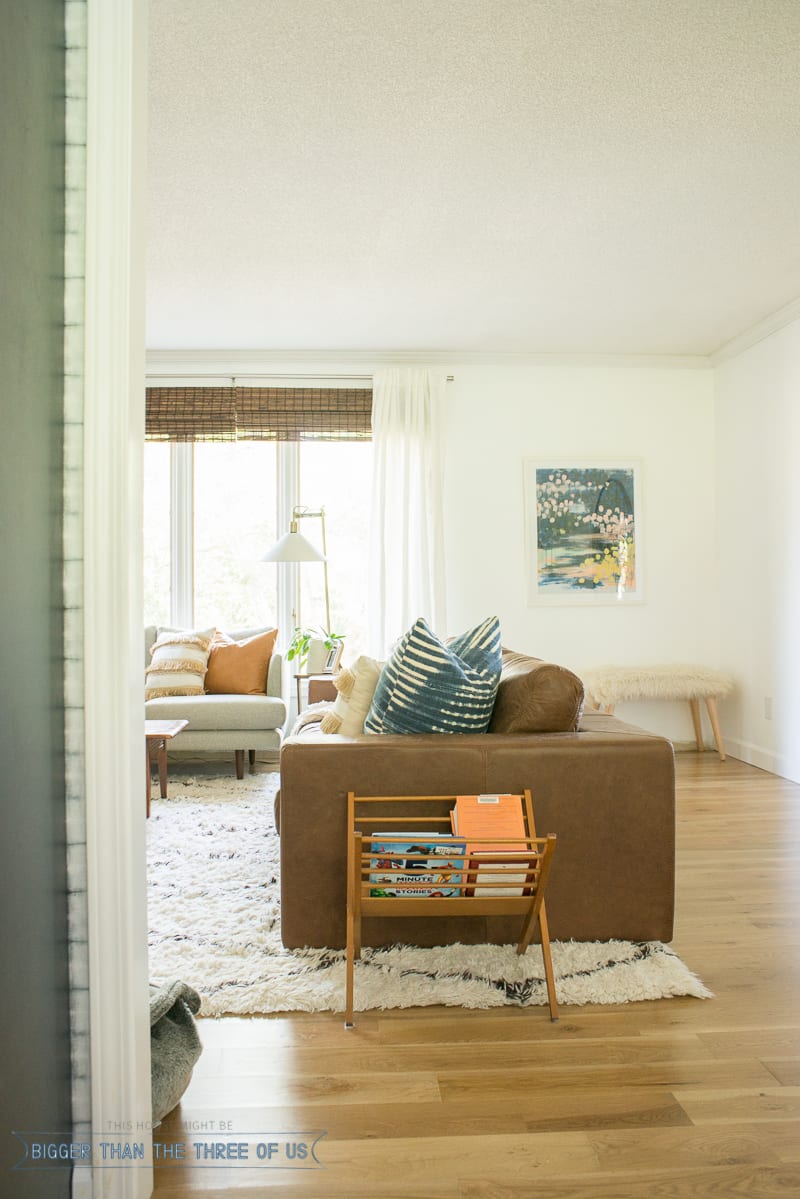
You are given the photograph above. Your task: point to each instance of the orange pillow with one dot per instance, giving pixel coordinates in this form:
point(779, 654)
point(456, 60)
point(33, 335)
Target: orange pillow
point(239, 667)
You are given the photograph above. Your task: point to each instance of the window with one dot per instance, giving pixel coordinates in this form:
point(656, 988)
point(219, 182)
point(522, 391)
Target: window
point(235, 491)
point(156, 528)
point(203, 555)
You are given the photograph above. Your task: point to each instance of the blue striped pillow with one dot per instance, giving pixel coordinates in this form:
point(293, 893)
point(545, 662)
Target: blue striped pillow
point(429, 687)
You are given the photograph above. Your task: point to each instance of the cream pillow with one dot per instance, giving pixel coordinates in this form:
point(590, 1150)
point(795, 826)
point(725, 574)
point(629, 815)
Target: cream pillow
point(178, 662)
point(356, 687)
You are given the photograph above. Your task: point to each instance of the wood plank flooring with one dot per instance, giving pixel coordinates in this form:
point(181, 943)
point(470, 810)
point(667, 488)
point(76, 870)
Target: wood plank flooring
point(675, 1099)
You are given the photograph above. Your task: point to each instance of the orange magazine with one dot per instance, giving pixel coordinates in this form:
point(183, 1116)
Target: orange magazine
point(485, 821)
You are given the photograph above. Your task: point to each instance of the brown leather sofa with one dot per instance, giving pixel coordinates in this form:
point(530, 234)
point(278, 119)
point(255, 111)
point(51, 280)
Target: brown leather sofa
point(607, 791)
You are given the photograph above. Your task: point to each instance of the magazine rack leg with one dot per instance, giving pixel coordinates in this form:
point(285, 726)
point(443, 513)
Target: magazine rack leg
point(548, 965)
point(539, 912)
point(348, 1002)
point(546, 956)
point(353, 924)
point(527, 901)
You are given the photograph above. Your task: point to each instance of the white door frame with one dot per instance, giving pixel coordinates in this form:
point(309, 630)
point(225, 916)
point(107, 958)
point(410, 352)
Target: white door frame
point(113, 643)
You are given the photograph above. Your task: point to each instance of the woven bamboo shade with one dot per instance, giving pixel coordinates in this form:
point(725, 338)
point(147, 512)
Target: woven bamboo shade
point(190, 414)
point(259, 414)
point(303, 413)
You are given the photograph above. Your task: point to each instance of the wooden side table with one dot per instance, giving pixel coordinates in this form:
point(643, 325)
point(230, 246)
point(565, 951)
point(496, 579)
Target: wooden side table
point(320, 687)
point(156, 735)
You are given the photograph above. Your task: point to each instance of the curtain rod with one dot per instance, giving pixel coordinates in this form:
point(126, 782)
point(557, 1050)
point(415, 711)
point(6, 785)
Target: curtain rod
point(261, 375)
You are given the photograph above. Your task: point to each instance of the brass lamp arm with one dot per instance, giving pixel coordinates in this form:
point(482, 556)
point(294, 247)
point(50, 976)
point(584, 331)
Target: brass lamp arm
point(298, 512)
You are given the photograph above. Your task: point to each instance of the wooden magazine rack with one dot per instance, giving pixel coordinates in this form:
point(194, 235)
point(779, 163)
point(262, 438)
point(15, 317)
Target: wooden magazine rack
point(507, 883)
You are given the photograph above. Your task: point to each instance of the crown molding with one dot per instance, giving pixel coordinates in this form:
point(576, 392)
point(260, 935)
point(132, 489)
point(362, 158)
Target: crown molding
point(225, 363)
point(743, 341)
point(188, 362)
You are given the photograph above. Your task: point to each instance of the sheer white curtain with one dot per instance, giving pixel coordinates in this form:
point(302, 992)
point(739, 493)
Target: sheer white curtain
point(407, 577)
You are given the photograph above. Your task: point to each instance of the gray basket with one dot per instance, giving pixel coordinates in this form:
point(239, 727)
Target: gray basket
point(175, 1043)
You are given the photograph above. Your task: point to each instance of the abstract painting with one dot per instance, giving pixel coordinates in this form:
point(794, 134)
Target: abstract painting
point(582, 532)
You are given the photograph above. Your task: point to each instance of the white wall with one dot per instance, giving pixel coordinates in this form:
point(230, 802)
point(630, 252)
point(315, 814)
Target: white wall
point(719, 455)
point(664, 417)
point(758, 497)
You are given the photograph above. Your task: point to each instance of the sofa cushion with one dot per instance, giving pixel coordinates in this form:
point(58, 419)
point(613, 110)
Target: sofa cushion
point(220, 713)
point(239, 667)
point(536, 697)
point(429, 687)
point(356, 687)
point(178, 662)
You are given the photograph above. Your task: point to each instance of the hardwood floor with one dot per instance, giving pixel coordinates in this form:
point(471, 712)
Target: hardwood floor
point(674, 1099)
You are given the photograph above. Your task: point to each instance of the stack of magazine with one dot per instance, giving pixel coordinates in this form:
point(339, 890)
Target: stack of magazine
point(416, 865)
point(437, 865)
point(486, 821)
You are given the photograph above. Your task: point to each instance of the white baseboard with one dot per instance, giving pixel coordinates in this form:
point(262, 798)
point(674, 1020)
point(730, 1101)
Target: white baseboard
point(745, 751)
point(756, 755)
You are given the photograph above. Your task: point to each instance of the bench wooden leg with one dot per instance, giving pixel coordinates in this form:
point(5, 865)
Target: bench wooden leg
point(711, 705)
point(694, 704)
point(239, 756)
point(252, 756)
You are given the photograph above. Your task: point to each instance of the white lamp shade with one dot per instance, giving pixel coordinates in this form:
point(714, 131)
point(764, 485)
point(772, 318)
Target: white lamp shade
point(293, 547)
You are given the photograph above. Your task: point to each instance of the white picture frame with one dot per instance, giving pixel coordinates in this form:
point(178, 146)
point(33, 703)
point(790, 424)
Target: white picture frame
point(332, 660)
point(584, 531)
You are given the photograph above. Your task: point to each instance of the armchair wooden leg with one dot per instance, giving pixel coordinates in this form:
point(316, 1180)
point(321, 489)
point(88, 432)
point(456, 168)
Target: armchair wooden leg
point(252, 756)
point(239, 754)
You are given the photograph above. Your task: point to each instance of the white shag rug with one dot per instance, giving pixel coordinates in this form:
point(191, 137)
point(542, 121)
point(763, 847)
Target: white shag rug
point(214, 916)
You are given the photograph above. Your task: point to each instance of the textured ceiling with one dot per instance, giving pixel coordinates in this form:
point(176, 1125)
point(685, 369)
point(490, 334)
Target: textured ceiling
point(599, 176)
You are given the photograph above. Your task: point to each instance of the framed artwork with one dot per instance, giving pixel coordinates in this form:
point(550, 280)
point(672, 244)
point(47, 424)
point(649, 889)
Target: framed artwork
point(583, 532)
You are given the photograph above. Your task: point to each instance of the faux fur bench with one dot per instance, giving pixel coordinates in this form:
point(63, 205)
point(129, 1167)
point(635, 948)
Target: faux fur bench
point(610, 685)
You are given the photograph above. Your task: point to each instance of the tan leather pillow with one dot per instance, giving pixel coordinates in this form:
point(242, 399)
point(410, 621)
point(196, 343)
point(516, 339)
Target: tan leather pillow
point(536, 697)
point(239, 667)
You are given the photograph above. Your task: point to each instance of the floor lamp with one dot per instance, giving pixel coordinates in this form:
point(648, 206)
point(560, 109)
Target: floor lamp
point(294, 547)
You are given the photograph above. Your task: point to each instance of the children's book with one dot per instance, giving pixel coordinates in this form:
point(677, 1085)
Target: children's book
point(416, 865)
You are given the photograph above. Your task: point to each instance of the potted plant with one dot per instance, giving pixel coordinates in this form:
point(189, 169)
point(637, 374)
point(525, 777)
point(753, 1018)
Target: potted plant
point(314, 650)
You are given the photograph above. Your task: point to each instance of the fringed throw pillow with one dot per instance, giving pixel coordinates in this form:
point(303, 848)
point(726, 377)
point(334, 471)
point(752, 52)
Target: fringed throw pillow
point(356, 687)
point(178, 662)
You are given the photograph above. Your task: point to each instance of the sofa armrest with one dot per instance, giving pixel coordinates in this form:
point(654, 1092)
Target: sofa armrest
point(275, 675)
point(607, 794)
